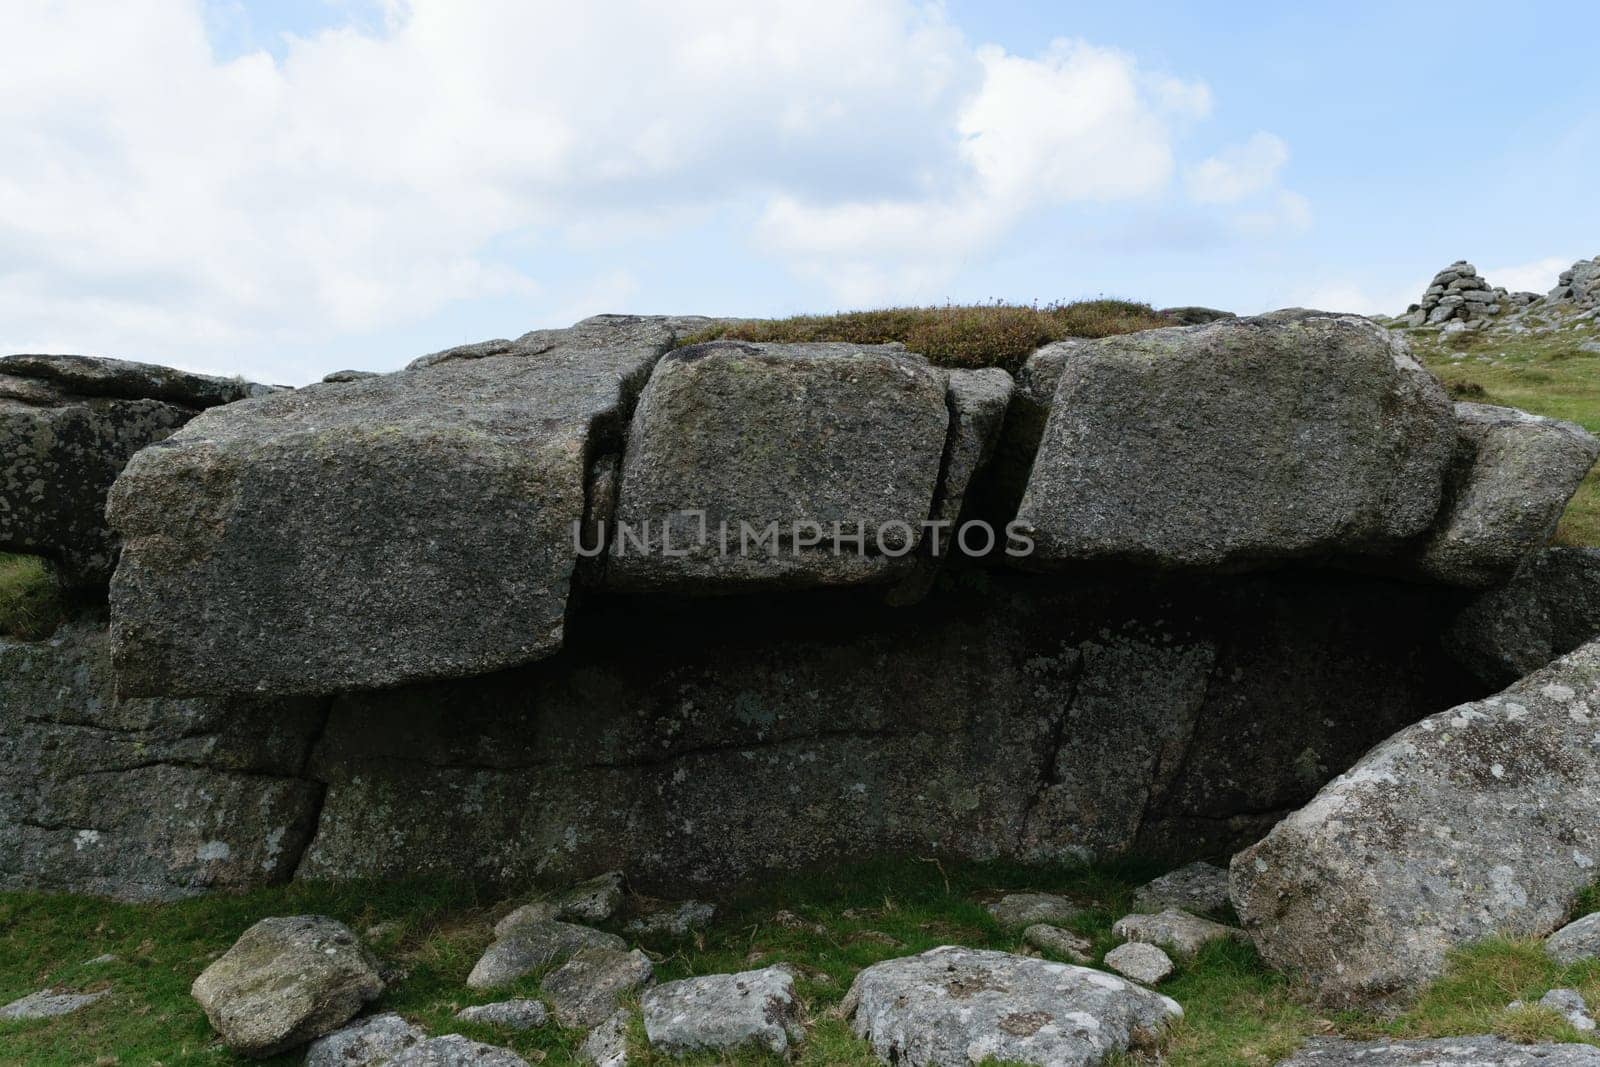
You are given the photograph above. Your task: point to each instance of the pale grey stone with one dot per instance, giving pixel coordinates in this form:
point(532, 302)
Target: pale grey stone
point(1575, 941)
point(587, 988)
point(1567, 1003)
point(453, 1050)
point(526, 947)
point(1510, 483)
point(593, 901)
point(674, 920)
point(954, 1006)
point(607, 1044)
point(286, 981)
point(1178, 931)
point(806, 437)
point(365, 1043)
point(718, 1012)
point(509, 1014)
point(1047, 938)
point(1017, 910)
point(1473, 822)
point(47, 1005)
point(1139, 961)
point(1237, 444)
point(1442, 1052)
point(540, 911)
point(1200, 887)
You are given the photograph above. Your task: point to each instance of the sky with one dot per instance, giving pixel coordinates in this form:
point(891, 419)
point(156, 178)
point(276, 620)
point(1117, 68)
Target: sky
point(282, 189)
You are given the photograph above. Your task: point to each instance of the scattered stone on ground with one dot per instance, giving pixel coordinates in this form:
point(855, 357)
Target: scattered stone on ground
point(954, 1006)
point(286, 981)
point(593, 901)
point(1048, 938)
point(1442, 1052)
point(1547, 609)
point(607, 1044)
point(540, 911)
point(453, 1050)
point(526, 947)
point(1474, 822)
point(1576, 941)
point(364, 1043)
point(1567, 1003)
point(674, 920)
point(586, 990)
point(1198, 888)
point(717, 1012)
point(1178, 931)
point(47, 1005)
point(1016, 910)
point(1141, 962)
point(511, 1014)
point(101, 961)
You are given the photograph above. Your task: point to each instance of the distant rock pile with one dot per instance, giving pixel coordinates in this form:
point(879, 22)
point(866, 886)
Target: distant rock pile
point(1459, 298)
point(1579, 285)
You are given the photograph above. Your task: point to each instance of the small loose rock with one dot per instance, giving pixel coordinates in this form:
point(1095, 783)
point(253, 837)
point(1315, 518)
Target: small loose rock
point(1198, 888)
point(365, 1043)
point(585, 990)
point(47, 1005)
point(1143, 963)
point(1047, 938)
point(725, 1011)
point(509, 1014)
point(1183, 933)
point(1026, 909)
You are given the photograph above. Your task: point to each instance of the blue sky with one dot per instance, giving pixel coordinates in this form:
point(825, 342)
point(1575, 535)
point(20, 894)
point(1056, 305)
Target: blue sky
point(282, 189)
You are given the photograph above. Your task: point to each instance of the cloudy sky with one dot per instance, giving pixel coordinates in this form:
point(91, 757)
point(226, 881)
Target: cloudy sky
point(280, 188)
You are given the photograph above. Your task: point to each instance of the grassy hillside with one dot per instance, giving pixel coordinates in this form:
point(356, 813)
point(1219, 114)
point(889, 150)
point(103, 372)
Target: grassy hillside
point(829, 927)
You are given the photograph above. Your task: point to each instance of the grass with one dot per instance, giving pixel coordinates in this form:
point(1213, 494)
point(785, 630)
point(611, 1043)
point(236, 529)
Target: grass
point(1545, 373)
point(32, 604)
point(981, 335)
point(828, 926)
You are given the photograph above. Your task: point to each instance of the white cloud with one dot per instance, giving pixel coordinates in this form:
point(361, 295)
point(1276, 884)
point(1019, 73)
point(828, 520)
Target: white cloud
point(1239, 171)
point(1536, 277)
point(164, 203)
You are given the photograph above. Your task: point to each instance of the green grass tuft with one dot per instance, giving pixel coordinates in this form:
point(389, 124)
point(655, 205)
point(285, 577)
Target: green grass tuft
point(32, 603)
point(978, 335)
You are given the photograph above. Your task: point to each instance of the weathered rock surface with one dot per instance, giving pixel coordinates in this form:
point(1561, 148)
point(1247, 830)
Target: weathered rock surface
point(1194, 316)
point(526, 947)
point(1144, 963)
point(285, 982)
point(143, 799)
point(1237, 444)
point(126, 380)
point(1047, 938)
point(1513, 476)
point(593, 901)
point(47, 1005)
point(1575, 941)
point(1550, 607)
point(953, 1006)
point(1024, 909)
point(367, 1042)
point(586, 990)
point(718, 1012)
point(453, 1050)
point(1580, 284)
point(508, 1014)
point(978, 403)
point(1476, 821)
point(1459, 296)
point(341, 507)
point(1567, 1003)
point(734, 436)
point(1197, 888)
point(607, 1044)
point(1443, 1052)
point(677, 920)
point(1177, 931)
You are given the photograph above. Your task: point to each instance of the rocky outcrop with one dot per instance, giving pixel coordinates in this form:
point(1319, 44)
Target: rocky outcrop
point(954, 1006)
point(1238, 444)
point(1550, 607)
point(1474, 822)
point(143, 799)
point(68, 426)
point(285, 982)
point(1513, 476)
point(1578, 285)
point(1458, 295)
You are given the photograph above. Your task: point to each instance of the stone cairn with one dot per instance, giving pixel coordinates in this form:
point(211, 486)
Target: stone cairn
point(1459, 294)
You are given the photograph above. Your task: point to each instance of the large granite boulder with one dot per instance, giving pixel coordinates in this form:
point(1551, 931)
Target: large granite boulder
point(1238, 443)
point(784, 453)
point(954, 1006)
point(1547, 609)
point(1474, 822)
point(285, 982)
point(365, 534)
point(1441, 1052)
point(143, 799)
point(68, 425)
point(1513, 476)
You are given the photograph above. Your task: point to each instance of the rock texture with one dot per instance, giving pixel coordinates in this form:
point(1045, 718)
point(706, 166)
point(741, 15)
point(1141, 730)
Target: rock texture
point(816, 441)
point(367, 1042)
point(1178, 931)
point(530, 946)
point(47, 1005)
point(723, 1012)
point(508, 1014)
point(674, 920)
point(1144, 963)
point(1198, 888)
point(586, 989)
point(1047, 938)
point(1444, 1052)
point(143, 799)
point(1476, 821)
point(453, 1050)
point(1458, 294)
point(607, 1044)
point(1513, 476)
point(1237, 444)
point(1579, 285)
point(285, 982)
point(952, 1006)
point(1567, 1003)
point(341, 507)
point(1550, 607)
point(1576, 941)
point(1017, 910)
